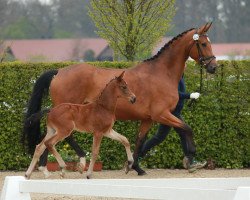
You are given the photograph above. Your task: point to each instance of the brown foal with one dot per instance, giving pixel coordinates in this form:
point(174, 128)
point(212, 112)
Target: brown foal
point(97, 117)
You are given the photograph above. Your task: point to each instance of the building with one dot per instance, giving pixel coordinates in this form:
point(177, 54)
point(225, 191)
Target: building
point(90, 49)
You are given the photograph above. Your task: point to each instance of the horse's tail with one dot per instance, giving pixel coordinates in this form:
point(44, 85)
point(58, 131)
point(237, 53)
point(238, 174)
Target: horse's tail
point(32, 133)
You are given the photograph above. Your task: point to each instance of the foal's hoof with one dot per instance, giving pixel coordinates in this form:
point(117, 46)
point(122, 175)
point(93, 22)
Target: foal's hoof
point(82, 165)
point(128, 166)
point(140, 171)
point(81, 168)
point(45, 171)
point(27, 176)
point(62, 173)
point(89, 176)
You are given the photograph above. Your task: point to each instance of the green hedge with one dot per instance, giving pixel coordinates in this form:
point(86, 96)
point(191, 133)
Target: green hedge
point(220, 118)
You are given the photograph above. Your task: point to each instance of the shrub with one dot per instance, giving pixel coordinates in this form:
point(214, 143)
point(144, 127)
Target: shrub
point(220, 118)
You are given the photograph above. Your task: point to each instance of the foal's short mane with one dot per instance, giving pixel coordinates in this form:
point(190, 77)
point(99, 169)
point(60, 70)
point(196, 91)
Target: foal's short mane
point(167, 45)
point(105, 87)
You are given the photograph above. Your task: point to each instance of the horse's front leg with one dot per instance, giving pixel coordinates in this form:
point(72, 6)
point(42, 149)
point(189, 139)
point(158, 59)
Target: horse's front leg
point(144, 128)
point(97, 138)
point(122, 139)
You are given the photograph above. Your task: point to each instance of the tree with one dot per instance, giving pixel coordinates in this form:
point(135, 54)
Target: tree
point(231, 18)
point(28, 19)
point(132, 28)
point(72, 19)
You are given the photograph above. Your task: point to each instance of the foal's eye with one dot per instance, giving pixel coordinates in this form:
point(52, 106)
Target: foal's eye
point(124, 87)
point(204, 44)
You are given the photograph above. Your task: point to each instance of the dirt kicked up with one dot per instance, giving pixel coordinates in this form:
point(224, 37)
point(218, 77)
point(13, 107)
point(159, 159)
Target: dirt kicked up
point(119, 174)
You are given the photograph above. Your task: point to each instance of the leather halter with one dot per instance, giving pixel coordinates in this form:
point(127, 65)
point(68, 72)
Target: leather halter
point(201, 58)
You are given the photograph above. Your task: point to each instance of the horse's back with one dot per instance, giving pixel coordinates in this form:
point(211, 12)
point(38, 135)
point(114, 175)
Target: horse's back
point(79, 83)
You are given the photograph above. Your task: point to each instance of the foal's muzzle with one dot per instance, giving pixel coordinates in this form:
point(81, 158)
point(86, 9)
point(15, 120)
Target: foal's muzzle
point(132, 99)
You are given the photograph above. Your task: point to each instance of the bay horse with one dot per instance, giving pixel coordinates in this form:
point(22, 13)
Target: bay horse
point(97, 117)
point(154, 81)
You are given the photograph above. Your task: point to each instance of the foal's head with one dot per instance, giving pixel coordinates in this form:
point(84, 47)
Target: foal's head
point(201, 50)
point(123, 89)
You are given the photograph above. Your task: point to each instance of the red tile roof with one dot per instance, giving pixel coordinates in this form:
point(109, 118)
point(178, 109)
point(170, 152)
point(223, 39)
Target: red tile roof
point(55, 49)
point(66, 49)
point(221, 49)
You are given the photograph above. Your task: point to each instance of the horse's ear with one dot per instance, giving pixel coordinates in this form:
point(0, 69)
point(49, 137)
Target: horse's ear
point(208, 26)
point(119, 78)
point(205, 28)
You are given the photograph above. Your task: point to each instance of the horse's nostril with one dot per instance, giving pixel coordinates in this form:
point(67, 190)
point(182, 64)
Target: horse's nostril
point(133, 99)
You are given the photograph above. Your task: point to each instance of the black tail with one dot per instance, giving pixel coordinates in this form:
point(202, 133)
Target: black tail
point(32, 133)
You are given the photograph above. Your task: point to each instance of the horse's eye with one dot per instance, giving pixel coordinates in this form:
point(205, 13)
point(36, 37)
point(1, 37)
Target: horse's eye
point(124, 87)
point(204, 44)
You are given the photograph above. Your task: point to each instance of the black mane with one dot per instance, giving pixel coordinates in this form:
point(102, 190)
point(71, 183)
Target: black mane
point(167, 45)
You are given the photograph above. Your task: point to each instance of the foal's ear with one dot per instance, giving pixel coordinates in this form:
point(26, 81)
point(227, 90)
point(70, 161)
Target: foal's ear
point(119, 78)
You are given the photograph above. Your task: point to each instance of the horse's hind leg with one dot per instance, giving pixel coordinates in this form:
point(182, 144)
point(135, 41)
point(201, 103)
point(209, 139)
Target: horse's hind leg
point(97, 138)
point(169, 119)
point(122, 139)
point(144, 128)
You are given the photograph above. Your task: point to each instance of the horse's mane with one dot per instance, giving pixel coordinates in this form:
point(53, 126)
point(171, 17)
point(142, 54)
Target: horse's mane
point(167, 45)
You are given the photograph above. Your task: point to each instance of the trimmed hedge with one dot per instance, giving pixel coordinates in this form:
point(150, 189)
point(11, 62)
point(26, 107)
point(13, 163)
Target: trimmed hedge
point(220, 118)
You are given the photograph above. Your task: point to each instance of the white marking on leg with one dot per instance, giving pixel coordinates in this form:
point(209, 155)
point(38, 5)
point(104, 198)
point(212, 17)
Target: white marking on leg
point(122, 139)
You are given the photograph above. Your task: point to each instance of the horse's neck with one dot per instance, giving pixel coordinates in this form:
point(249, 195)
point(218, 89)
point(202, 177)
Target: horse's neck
point(172, 59)
point(108, 98)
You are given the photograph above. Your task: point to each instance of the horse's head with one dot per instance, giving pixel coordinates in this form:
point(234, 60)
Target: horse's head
point(123, 89)
point(201, 50)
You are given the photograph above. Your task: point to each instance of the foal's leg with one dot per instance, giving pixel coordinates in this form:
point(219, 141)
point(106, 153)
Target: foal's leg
point(44, 157)
point(122, 139)
point(50, 144)
point(144, 128)
point(97, 138)
point(78, 151)
point(38, 152)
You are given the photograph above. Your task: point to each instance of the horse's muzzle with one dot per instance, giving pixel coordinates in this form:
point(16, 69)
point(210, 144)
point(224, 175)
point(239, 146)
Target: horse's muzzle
point(132, 99)
point(211, 69)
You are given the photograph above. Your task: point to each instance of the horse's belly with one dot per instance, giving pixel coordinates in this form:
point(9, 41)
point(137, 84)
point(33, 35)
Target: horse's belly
point(128, 111)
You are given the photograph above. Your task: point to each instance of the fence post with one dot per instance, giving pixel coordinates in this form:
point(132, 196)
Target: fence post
point(11, 189)
point(242, 193)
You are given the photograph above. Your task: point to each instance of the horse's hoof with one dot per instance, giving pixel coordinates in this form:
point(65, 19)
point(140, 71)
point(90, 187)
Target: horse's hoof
point(140, 171)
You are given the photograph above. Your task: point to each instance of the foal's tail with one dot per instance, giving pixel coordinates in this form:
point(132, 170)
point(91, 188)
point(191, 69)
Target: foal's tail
point(35, 117)
point(32, 133)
